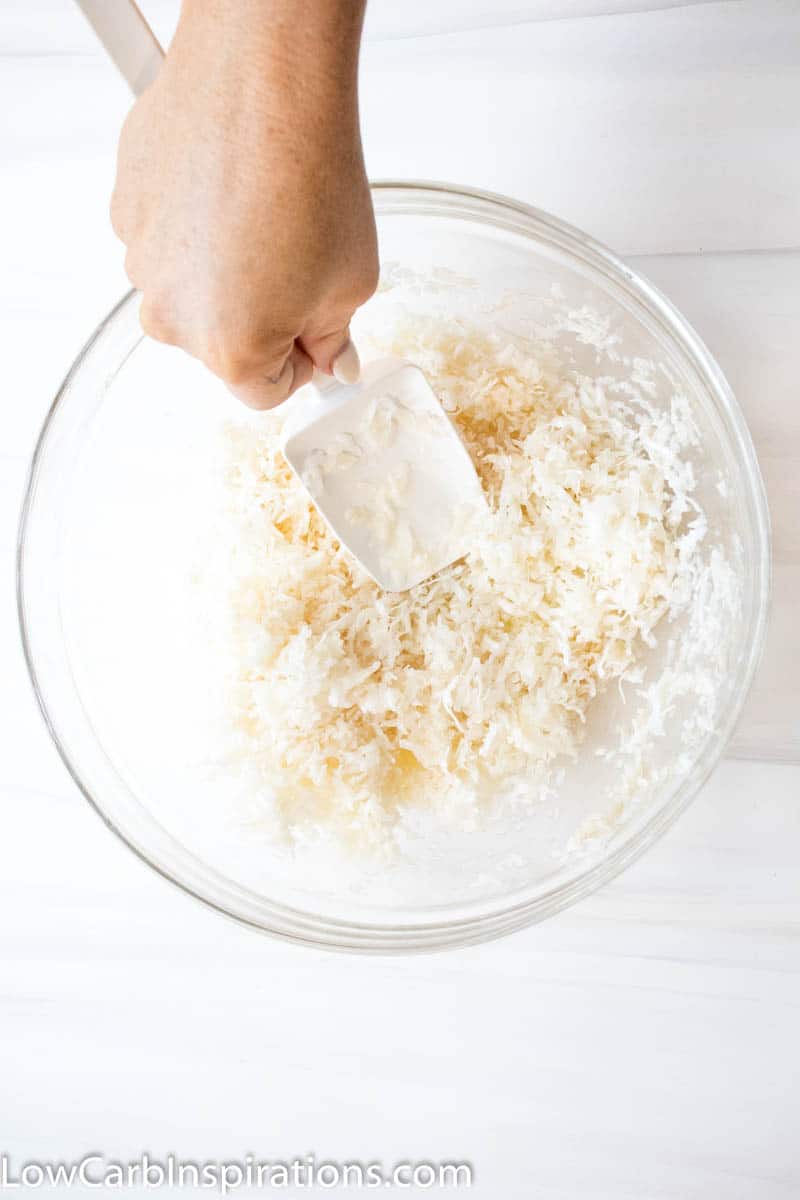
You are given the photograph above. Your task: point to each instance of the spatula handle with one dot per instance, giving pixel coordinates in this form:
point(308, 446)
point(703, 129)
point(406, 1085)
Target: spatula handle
point(127, 37)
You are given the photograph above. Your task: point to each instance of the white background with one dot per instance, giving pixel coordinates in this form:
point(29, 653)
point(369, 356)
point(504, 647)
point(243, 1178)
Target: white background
point(644, 1045)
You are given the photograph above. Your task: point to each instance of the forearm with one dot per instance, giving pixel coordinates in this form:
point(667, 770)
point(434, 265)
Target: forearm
point(292, 49)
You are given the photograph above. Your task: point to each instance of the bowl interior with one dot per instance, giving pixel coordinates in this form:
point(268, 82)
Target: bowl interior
point(122, 596)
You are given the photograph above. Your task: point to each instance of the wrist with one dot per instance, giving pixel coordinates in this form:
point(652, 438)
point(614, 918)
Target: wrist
point(275, 66)
point(315, 41)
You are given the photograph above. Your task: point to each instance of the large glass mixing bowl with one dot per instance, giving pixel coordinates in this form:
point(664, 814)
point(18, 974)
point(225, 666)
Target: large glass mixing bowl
point(117, 489)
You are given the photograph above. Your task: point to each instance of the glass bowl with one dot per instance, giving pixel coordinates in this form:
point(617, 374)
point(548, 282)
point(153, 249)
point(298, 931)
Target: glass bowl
point(120, 485)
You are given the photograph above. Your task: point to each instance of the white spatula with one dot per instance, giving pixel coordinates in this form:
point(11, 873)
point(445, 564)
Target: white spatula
point(386, 469)
point(379, 458)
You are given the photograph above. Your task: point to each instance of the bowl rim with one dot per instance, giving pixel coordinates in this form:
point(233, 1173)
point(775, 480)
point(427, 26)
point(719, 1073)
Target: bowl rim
point(504, 915)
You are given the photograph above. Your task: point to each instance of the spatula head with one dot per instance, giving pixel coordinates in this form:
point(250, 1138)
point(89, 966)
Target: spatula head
point(387, 470)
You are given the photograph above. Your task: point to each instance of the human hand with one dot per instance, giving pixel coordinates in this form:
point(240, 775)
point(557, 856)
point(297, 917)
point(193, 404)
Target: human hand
point(241, 193)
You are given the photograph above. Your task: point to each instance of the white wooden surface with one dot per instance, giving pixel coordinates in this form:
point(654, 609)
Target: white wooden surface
point(643, 1045)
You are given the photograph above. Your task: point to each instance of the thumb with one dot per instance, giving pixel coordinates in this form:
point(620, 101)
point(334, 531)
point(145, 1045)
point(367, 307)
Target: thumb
point(335, 354)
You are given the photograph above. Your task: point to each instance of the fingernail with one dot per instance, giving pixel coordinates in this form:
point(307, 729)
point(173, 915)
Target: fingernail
point(347, 366)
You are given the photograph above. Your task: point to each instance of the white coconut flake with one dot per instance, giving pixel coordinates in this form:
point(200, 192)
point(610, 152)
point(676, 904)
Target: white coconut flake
point(358, 710)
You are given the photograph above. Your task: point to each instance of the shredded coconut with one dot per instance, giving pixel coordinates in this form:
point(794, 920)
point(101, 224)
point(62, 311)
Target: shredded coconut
point(354, 707)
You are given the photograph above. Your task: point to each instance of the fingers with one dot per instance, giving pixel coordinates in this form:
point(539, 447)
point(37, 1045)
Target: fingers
point(266, 389)
point(259, 378)
point(335, 354)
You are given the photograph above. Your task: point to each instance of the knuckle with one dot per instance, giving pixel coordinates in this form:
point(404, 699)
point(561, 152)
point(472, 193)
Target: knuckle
point(367, 283)
point(360, 285)
point(231, 361)
point(236, 357)
point(251, 399)
point(155, 322)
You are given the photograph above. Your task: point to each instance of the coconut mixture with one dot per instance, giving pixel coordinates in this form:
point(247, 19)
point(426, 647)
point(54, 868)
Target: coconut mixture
point(353, 707)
